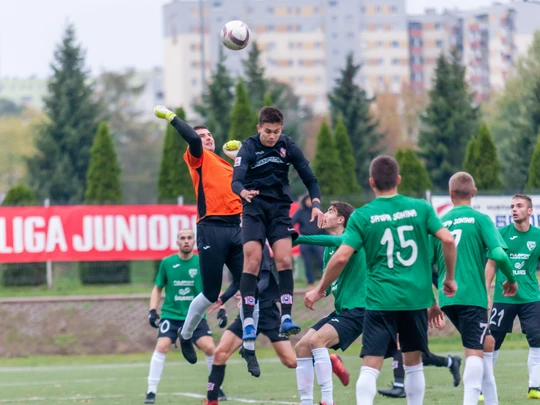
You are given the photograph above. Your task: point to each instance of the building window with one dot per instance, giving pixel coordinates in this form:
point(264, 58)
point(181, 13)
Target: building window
point(193, 64)
point(317, 45)
point(363, 10)
point(380, 61)
point(378, 9)
point(291, 79)
point(437, 26)
point(318, 62)
point(332, 3)
point(334, 18)
point(270, 28)
point(299, 45)
point(193, 82)
point(270, 10)
point(395, 61)
point(271, 46)
point(335, 51)
point(217, 4)
point(319, 79)
point(289, 28)
point(380, 44)
point(379, 27)
point(395, 44)
point(350, 35)
point(381, 79)
point(291, 45)
point(393, 10)
point(334, 35)
point(396, 79)
point(439, 44)
point(300, 63)
point(291, 62)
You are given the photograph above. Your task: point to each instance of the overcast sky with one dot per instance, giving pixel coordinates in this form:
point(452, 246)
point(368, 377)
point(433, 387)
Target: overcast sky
point(115, 33)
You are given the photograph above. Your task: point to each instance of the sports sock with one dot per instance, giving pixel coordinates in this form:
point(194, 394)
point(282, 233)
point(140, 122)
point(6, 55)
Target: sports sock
point(209, 363)
point(286, 290)
point(472, 379)
point(489, 386)
point(196, 311)
point(399, 372)
point(434, 360)
point(215, 381)
point(366, 386)
point(304, 380)
point(156, 368)
point(534, 367)
point(248, 289)
point(495, 357)
point(323, 370)
point(449, 361)
point(415, 384)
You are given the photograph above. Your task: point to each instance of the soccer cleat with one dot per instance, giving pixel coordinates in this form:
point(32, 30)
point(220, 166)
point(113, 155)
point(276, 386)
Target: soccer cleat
point(221, 395)
point(534, 393)
point(288, 328)
point(324, 403)
point(481, 398)
point(251, 360)
point(394, 392)
point(163, 112)
point(250, 333)
point(150, 398)
point(339, 369)
point(455, 369)
point(187, 349)
point(207, 402)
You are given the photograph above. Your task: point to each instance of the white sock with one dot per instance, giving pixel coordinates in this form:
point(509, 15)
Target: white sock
point(472, 379)
point(323, 370)
point(450, 361)
point(304, 380)
point(196, 311)
point(415, 384)
point(366, 386)
point(209, 362)
point(534, 367)
point(495, 357)
point(249, 345)
point(156, 368)
point(489, 386)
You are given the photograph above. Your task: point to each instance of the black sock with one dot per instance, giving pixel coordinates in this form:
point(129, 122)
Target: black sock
point(397, 366)
point(434, 360)
point(215, 381)
point(248, 289)
point(286, 290)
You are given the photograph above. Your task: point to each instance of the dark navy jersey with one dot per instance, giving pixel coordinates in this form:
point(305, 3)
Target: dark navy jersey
point(266, 169)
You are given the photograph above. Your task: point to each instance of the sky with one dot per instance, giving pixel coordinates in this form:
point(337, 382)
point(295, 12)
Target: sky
point(117, 34)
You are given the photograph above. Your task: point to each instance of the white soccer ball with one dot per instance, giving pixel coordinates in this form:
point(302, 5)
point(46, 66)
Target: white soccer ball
point(232, 148)
point(235, 35)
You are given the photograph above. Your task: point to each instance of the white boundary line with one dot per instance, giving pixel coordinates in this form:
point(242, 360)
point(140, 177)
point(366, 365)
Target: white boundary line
point(181, 394)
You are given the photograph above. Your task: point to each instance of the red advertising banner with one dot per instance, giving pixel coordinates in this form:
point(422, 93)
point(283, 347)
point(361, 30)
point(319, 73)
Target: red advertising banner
point(92, 233)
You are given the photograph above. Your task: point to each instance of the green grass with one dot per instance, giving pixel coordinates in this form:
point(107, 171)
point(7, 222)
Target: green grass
point(121, 379)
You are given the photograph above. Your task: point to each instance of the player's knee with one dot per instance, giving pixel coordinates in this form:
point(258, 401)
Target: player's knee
point(317, 341)
point(303, 348)
point(163, 346)
point(533, 337)
point(289, 361)
point(220, 356)
point(489, 343)
point(284, 263)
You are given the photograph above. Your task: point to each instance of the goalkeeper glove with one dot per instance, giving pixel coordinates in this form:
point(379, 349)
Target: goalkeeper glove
point(153, 318)
point(222, 317)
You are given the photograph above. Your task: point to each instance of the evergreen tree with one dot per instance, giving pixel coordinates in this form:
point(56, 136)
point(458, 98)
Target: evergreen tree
point(351, 101)
point(414, 176)
point(256, 84)
point(216, 102)
point(470, 162)
point(22, 274)
point(267, 100)
point(488, 172)
point(241, 118)
point(533, 182)
point(103, 178)
point(346, 156)
point(58, 169)
point(174, 178)
point(449, 121)
point(327, 165)
point(103, 187)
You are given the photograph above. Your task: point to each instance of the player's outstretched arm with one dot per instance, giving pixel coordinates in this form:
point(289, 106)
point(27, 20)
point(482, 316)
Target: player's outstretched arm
point(319, 240)
point(186, 132)
point(449, 254)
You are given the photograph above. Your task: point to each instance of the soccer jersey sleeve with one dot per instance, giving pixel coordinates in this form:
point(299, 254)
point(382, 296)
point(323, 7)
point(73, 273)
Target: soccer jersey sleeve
point(354, 236)
point(192, 161)
point(241, 164)
point(318, 240)
point(434, 224)
point(161, 277)
point(490, 236)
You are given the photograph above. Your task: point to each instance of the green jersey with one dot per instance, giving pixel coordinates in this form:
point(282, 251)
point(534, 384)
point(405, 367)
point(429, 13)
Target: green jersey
point(349, 289)
point(474, 235)
point(394, 231)
point(524, 252)
point(182, 282)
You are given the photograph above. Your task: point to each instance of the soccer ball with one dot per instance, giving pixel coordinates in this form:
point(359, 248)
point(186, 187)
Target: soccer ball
point(235, 35)
point(232, 148)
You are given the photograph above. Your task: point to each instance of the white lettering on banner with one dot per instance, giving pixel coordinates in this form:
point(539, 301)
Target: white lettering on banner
point(104, 233)
point(55, 235)
point(143, 239)
point(34, 241)
point(81, 244)
point(4, 248)
point(33, 235)
point(18, 245)
point(157, 225)
point(126, 235)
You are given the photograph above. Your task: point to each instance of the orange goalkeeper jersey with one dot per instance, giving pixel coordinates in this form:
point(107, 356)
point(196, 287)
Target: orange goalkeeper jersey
point(212, 177)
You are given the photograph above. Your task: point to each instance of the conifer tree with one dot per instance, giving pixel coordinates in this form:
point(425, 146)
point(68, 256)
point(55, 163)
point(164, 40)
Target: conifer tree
point(326, 165)
point(241, 121)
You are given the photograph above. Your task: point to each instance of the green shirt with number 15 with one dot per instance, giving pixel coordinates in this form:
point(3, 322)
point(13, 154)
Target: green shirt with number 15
point(395, 234)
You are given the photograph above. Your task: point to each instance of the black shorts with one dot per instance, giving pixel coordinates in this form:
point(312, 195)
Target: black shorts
point(381, 329)
point(266, 218)
point(348, 324)
point(219, 244)
point(169, 328)
point(471, 322)
point(269, 323)
point(502, 321)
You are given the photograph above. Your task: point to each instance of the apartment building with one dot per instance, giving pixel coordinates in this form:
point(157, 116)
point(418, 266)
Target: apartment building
point(304, 43)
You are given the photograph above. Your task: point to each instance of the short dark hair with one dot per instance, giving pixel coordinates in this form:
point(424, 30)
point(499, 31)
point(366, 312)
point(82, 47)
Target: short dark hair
point(196, 127)
point(343, 209)
point(523, 197)
point(270, 115)
point(462, 185)
point(384, 170)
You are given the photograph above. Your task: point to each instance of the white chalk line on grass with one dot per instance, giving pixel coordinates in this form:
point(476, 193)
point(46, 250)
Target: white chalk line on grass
point(117, 396)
